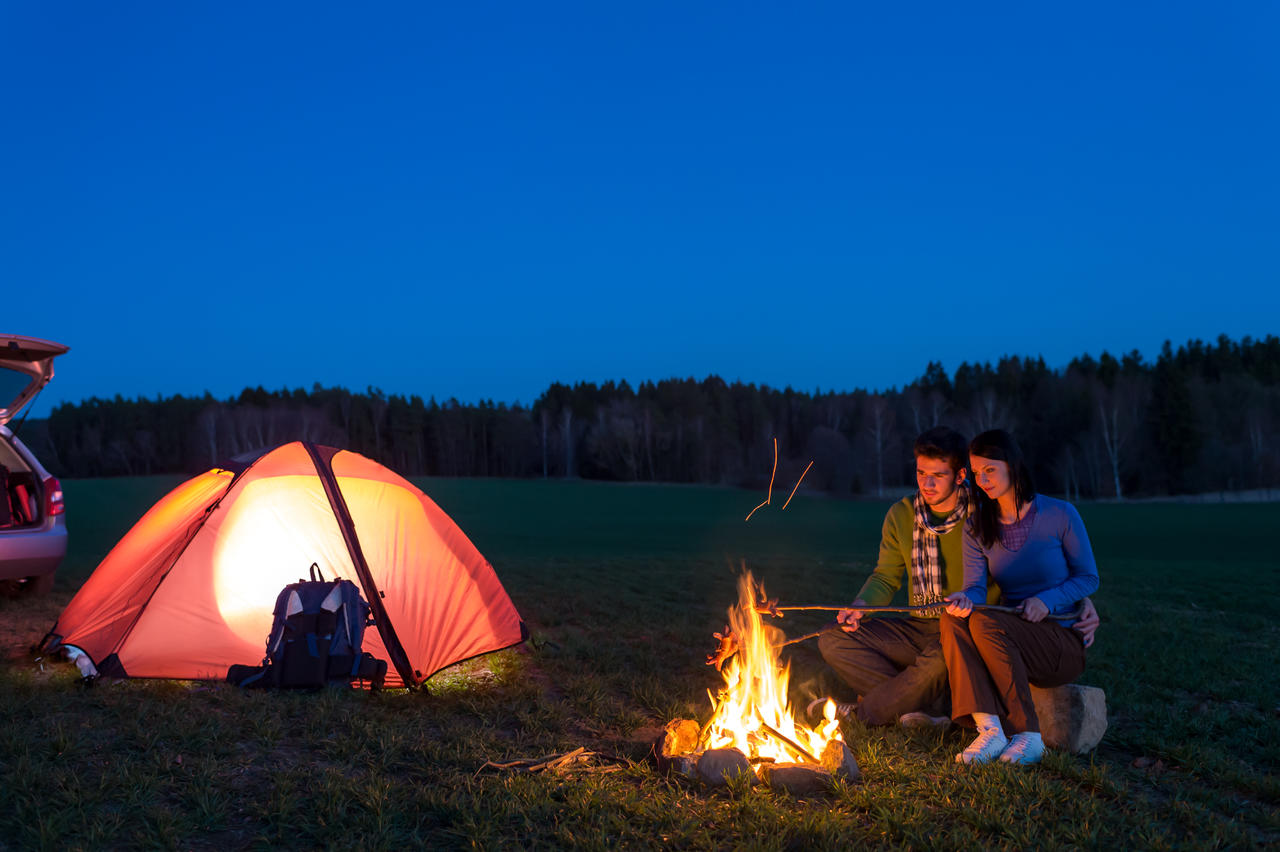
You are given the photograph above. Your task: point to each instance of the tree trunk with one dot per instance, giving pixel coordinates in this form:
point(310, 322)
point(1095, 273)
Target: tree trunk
point(566, 430)
point(544, 418)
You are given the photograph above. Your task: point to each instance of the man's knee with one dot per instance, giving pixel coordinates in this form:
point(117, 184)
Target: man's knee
point(833, 644)
point(932, 660)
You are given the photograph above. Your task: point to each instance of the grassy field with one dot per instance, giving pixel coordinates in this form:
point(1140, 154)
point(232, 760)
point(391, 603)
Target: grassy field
point(622, 587)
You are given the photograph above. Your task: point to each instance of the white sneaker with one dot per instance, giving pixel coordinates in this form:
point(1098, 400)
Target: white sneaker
point(920, 719)
point(986, 748)
point(1024, 748)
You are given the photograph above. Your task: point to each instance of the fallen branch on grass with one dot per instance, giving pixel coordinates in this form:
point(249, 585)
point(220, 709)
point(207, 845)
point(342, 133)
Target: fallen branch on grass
point(578, 760)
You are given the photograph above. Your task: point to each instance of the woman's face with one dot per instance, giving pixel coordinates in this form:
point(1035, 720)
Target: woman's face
point(991, 476)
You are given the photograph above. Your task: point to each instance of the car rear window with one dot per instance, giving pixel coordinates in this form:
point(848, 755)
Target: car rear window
point(12, 383)
point(10, 458)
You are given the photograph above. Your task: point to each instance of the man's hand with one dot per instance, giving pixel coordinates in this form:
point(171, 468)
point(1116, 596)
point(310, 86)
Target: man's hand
point(1087, 624)
point(848, 618)
point(1033, 610)
point(958, 604)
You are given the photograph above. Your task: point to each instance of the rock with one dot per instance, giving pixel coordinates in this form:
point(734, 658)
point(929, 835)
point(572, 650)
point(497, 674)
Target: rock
point(680, 736)
point(674, 748)
point(1072, 717)
point(683, 764)
point(718, 766)
point(837, 759)
point(798, 779)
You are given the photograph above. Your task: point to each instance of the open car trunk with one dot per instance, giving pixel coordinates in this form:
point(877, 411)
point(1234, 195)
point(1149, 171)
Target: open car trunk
point(21, 491)
point(26, 366)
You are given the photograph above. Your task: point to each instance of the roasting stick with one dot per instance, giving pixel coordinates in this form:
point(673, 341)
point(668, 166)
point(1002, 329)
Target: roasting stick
point(728, 645)
point(832, 628)
point(770, 608)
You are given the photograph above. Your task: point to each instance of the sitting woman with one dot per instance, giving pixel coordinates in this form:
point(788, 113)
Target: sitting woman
point(1036, 549)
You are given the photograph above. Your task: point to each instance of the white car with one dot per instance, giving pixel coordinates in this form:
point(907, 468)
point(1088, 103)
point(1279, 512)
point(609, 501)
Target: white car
point(33, 528)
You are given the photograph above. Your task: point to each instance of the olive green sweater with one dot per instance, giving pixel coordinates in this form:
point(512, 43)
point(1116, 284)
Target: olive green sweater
point(895, 556)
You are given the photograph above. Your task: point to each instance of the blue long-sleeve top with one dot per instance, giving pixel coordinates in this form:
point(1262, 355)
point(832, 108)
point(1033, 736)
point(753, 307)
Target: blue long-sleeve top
point(1055, 564)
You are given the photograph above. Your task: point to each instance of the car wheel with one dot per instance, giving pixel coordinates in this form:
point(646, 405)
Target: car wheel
point(41, 584)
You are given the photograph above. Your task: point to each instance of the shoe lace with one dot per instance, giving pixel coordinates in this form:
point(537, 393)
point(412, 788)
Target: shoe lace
point(1018, 746)
point(984, 739)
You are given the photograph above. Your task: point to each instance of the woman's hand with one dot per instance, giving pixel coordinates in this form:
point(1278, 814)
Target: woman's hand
point(1087, 624)
point(1033, 610)
point(959, 605)
point(848, 618)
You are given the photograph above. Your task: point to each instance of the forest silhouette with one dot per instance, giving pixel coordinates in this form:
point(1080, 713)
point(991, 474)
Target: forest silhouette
point(1201, 417)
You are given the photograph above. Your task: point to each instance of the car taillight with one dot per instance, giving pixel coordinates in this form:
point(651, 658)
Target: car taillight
point(53, 503)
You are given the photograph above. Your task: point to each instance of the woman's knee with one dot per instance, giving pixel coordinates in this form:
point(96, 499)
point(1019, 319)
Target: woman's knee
point(953, 623)
point(986, 627)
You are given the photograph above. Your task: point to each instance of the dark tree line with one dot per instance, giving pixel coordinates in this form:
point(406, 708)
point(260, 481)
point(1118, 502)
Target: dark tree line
point(1202, 417)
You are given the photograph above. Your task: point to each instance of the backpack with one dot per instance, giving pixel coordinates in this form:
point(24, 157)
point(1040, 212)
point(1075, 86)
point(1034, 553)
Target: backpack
point(315, 639)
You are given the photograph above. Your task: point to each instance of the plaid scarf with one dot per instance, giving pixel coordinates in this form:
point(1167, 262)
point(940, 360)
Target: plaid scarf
point(928, 584)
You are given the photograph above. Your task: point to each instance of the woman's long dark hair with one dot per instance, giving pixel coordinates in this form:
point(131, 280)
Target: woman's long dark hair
point(999, 445)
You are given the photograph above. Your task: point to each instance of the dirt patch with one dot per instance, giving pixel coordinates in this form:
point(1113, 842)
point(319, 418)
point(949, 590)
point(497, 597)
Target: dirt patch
point(25, 620)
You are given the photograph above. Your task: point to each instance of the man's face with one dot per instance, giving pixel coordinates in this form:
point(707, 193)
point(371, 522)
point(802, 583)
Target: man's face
point(937, 482)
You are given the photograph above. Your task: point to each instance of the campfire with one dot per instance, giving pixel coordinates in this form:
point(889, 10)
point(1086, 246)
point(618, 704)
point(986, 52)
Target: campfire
point(752, 726)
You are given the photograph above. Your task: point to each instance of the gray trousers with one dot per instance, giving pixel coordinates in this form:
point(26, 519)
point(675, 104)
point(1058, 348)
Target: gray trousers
point(894, 664)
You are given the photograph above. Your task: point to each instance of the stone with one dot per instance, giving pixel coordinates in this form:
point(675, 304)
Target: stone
point(674, 750)
point(684, 764)
point(798, 779)
point(1072, 717)
point(837, 759)
point(680, 736)
point(718, 766)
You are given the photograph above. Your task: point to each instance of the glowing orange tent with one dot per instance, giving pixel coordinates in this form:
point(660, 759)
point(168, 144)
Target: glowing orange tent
point(189, 591)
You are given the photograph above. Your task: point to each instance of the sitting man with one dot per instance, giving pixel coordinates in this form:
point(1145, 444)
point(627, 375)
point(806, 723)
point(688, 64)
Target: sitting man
point(895, 664)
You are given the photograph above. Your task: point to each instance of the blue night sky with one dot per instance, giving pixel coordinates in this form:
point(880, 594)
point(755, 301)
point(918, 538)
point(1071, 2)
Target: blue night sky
point(474, 200)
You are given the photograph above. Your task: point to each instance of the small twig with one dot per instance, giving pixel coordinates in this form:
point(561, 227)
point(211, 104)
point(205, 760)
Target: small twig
point(557, 762)
point(769, 496)
point(578, 755)
point(793, 490)
point(805, 637)
point(706, 729)
point(775, 470)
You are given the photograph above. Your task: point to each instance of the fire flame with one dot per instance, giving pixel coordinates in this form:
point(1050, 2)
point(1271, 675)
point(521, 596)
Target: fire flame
point(751, 712)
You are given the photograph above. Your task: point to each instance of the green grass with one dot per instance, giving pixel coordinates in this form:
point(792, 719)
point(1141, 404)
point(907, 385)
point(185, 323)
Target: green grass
point(622, 587)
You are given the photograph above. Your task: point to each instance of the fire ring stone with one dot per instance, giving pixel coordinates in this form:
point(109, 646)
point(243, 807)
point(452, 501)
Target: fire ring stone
point(718, 766)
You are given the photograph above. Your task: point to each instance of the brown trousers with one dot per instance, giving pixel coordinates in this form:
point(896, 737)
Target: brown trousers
point(994, 657)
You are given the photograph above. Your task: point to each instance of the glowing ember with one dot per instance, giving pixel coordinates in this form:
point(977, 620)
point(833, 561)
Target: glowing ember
point(751, 711)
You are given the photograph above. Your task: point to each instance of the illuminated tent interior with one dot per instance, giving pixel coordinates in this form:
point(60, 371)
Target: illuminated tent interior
point(189, 590)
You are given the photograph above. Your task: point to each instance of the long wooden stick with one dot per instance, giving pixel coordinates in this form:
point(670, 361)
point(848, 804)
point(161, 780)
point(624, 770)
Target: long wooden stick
point(924, 608)
point(831, 628)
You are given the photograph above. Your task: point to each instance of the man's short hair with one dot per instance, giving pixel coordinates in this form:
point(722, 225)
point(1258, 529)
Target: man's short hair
point(945, 444)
